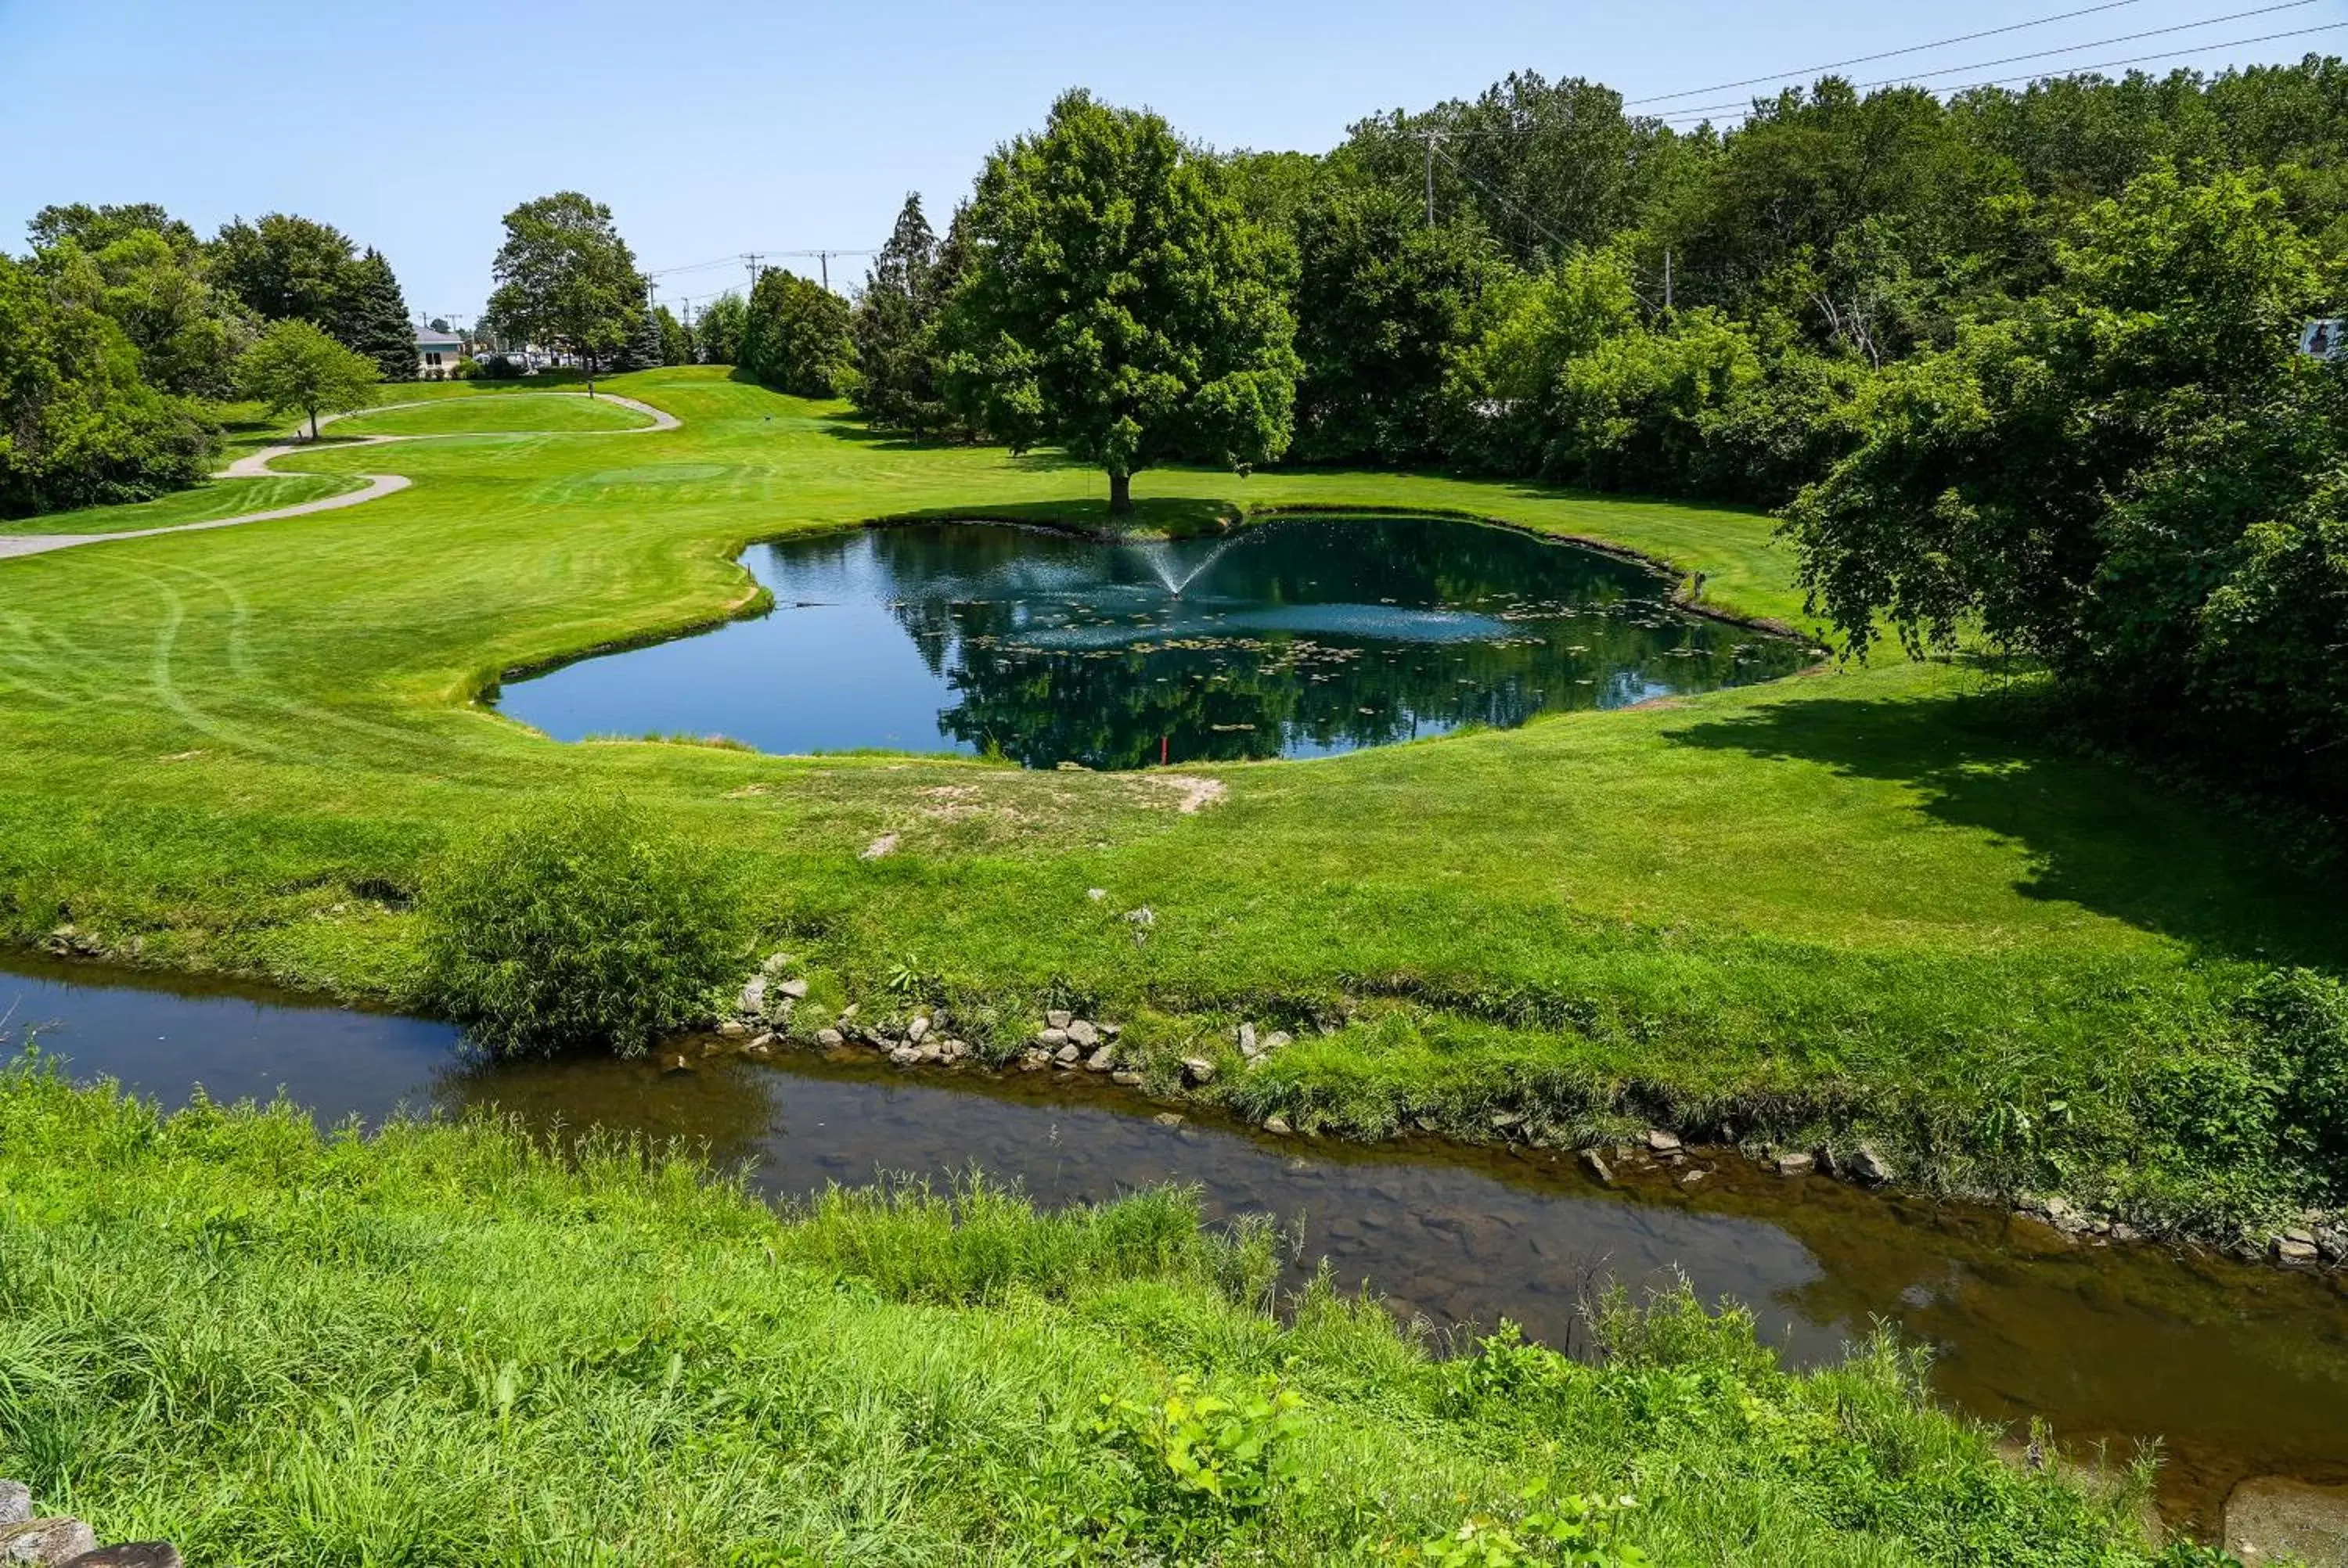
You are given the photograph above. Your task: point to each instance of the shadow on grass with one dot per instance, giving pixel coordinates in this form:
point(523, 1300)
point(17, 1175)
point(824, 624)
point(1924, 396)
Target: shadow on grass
point(2099, 834)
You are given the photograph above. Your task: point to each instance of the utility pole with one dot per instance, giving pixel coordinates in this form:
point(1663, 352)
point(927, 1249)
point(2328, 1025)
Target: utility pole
point(751, 257)
point(823, 261)
point(1428, 138)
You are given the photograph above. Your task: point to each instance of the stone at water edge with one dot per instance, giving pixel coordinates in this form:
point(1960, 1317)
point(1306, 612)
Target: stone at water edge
point(1100, 1061)
point(828, 1038)
point(673, 1062)
point(16, 1502)
point(1067, 1056)
point(796, 990)
point(754, 997)
point(1083, 1034)
point(734, 1028)
point(1034, 1060)
point(1129, 1079)
point(1661, 1143)
point(47, 1541)
point(1058, 1018)
point(1198, 1070)
point(1052, 1039)
point(2295, 1249)
point(918, 1029)
point(1167, 1119)
point(905, 1055)
point(1795, 1165)
point(1869, 1166)
point(1276, 1124)
point(1595, 1164)
point(1247, 1046)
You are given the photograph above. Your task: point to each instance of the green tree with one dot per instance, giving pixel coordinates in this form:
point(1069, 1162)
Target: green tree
point(285, 267)
point(566, 279)
point(1120, 304)
point(717, 331)
point(644, 349)
point(297, 368)
point(1382, 303)
point(378, 324)
point(675, 338)
point(95, 227)
point(188, 333)
point(796, 336)
point(896, 386)
point(78, 424)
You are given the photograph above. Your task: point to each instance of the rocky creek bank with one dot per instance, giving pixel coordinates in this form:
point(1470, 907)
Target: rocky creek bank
point(57, 1540)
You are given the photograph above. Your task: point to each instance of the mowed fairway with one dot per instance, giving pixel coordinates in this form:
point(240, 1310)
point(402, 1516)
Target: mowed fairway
point(1872, 890)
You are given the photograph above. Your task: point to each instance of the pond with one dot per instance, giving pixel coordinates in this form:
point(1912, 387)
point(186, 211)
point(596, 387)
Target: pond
point(2241, 1370)
point(1297, 637)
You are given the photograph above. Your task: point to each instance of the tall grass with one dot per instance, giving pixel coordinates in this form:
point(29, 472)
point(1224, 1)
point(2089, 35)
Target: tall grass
point(448, 1343)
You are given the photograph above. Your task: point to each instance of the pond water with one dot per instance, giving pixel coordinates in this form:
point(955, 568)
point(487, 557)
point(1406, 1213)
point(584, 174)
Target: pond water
point(2241, 1370)
point(1297, 637)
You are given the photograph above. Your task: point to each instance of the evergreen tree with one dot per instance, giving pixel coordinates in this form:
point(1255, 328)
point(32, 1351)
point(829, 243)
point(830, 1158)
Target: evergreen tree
point(897, 386)
point(796, 338)
point(644, 349)
point(378, 325)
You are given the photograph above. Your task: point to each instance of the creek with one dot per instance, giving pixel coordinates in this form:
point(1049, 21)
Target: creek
point(2238, 1371)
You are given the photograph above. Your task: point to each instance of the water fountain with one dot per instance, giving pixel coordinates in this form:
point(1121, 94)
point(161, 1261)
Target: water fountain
point(1159, 556)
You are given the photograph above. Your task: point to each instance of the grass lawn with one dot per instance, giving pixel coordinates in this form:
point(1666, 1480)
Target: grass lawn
point(205, 502)
point(528, 414)
point(1869, 901)
point(445, 1346)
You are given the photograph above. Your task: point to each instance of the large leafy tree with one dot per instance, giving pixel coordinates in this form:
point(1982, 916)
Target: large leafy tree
point(156, 284)
point(717, 329)
point(95, 228)
point(676, 337)
point(285, 267)
point(2133, 477)
point(297, 368)
point(796, 336)
point(78, 424)
point(566, 279)
point(377, 324)
point(1382, 303)
point(1120, 303)
point(896, 382)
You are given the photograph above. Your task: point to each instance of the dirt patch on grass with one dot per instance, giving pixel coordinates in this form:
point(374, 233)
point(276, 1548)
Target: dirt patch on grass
point(1186, 793)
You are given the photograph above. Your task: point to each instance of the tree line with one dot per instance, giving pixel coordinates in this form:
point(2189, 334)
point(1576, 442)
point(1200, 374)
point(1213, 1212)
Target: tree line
point(2020, 366)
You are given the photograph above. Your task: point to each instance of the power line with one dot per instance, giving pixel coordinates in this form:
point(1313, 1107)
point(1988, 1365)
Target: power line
point(2041, 54)
point(1886, 54)
point(2042, 76)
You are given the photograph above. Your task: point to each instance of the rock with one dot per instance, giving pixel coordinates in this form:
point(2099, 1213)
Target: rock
point(130, 1554)
point(917, 1031)
point(16, 1502)
point(1052, 1039)
point(1795, 1165)
point(734, 1028)
point(1503, 1121)
point(1661, 1143)
point(1275, 1039)
point(1034, 1060)
point(1110, 1030)
point(1083, 1035)
point(905, 1055)
point(1100, 1061)
point(1198, 1070)
point(1828, 1163)
point(2292, 1252)
point(2067, 1217)
point(828, 1038)
point(1125, 1076)
point(1595, 1164)
point(674, 1061)
point(1276, 1124)
point(1693, 1177)
point(2332, 1243)
point(929, 1050)
point(1167, 1119)
point(46, 1540)
point(2124, 1232)
point(775, 964)
point(795, 990)
point(2271, 1519)
point(1869, 1166)
point(955, 1049)
point(1058, 1018)
point(1067, 1056)
point(754, 997)
point(1247, 1046)
point(763, 1045)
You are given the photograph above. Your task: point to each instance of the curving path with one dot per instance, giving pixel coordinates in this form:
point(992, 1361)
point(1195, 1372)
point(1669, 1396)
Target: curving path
point(255, 466)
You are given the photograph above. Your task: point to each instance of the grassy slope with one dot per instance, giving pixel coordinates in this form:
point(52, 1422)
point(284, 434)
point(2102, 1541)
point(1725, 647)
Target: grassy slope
point(219, 498)
point(1848, 895)
point(489, 415)
point(445, 1346)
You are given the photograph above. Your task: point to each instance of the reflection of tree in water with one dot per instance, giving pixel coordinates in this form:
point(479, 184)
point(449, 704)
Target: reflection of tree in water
point(1064, 650)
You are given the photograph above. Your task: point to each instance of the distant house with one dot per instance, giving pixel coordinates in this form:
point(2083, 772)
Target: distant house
point(437, 354)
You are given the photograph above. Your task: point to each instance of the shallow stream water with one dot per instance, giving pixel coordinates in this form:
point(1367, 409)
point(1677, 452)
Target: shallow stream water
point(2241, 1370)
point(1297, 637)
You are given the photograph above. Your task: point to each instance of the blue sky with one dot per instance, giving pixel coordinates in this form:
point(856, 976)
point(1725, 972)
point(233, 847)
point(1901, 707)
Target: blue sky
point(714, 128)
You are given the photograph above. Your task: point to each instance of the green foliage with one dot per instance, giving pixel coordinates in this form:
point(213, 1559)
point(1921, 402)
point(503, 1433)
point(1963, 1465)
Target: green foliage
point(796, 336)
point(717, 331)
point(1121, 305)
point(1577, 1531)
point(188, 333)
point(676, 346)
point(1383, 303)
point(896, 365)
point(377, 323)
point(289, 268)
point(297, 368)
point(565, 278)
point(79, 426)
point(579, 925)
point(1205, 1466)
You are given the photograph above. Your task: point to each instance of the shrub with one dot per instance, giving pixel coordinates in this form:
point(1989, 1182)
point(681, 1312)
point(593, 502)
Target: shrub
point(580, 924)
